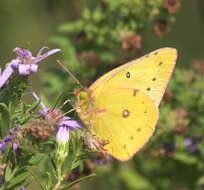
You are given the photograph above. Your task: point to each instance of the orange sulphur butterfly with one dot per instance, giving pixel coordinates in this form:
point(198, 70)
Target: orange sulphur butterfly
point(121, 107)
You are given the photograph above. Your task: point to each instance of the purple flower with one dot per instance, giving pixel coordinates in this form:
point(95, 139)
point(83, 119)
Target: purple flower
point(191, 144)
point(62, 134)
point(101, 159)
point(2, 145)
point(63, 123)
point(6, 74)
point(64, 128)
point(9, 138)
point(15, 146)
point(25, 63)
point(22, 188)
point(5, 141)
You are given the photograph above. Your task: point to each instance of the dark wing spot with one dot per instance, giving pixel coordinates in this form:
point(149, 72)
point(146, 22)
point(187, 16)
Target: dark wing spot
point(148, 89)
point(145, 111)
point(139, 129)
point(124, 146)
point(154, 79)
point(125, 113)
point(128, 74)
point(156, 53)
point(131, 138)
point(135, 92)
point(160, 63)
point(147, 56)
point(142, 102)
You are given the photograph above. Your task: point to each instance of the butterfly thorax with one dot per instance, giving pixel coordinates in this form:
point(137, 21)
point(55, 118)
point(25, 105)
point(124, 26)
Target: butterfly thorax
point(86, 106)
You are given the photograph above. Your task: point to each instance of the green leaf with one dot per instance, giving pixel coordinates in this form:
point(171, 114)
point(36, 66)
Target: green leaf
point(77, 181)
point(18, 179)
point(185, 158)
point(200, 181)
point(36, 159)
point(8, 173)
point(133, 179)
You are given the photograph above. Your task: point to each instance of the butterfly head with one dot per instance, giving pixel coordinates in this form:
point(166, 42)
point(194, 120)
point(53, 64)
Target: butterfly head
point(85, 102)
point(83, 94)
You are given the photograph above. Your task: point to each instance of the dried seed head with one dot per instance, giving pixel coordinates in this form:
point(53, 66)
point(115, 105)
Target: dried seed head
point(198, 65)
point(131, 41)
point(40, 129)
point(90, 57)
point(172, 5)
point(161, 27)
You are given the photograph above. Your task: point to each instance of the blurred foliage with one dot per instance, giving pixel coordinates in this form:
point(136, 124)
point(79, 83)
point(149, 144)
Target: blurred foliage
point(107, 34)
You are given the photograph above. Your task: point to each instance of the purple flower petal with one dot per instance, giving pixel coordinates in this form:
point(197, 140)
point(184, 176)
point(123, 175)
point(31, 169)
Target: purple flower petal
point(41, 57)
point(5, 75)
point(62, 134)
point(4, 142)
point(102, 160)
point(41, 50)
point(70, 123)
point(14, 129)
point(24, 69)
point(15, 63)
point(2, 145)
point(15, 146)
point(33, 68)
point(188, 142)
point(22, 52)
point(7, 138)
point(22, 188)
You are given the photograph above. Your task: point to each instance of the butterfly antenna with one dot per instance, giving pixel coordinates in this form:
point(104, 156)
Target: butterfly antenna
point(74, 109)
point(67, 101)
point(70, 73)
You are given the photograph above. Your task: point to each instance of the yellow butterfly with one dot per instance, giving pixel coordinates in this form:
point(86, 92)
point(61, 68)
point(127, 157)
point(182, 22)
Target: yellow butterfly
point(121, 107)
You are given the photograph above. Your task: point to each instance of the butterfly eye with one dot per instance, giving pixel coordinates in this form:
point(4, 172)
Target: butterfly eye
point(128, 74)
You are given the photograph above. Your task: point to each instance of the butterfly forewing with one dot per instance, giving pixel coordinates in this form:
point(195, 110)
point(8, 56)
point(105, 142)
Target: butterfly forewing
point(150, 74)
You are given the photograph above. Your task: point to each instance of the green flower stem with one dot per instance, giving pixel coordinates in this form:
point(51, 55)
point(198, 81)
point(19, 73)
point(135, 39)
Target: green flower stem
point(58, 184)
point(60, 156)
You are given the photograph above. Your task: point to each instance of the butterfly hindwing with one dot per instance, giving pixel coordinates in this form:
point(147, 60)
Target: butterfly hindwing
point(127, 121)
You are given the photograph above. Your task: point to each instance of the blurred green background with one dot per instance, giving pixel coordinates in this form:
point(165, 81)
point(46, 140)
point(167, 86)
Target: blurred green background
point(30, 24)
point(166, 162)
